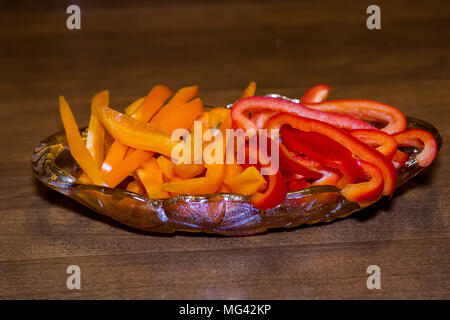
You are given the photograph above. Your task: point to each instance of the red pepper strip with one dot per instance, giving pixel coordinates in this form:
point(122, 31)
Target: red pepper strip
point(276, 190)
point(273, 196)
point(330, 178)
point(324, 150)
point(365, 193)
point(289, 163)
point(367, 110)
point(399, 159)
point(316, 94)
point(382, 142)
point(243, 107)
point(420, 139)
point(296, 185)
point(260, 118)
point(361, 150)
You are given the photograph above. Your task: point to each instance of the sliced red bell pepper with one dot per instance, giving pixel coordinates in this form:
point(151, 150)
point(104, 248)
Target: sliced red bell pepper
point(295, 185)
point(274, 194)
point(367, 110)
point(260, 118)
point(243, 107)
point(365, 193)
point(316, 94)
point(399, 159)
point(361, 150)
point(289, 163)
point(420, 139)
point(383, 142)
point(324, 150)
point(330, 178)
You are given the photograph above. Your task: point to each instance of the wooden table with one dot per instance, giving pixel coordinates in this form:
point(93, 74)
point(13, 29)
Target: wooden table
point(286, 47)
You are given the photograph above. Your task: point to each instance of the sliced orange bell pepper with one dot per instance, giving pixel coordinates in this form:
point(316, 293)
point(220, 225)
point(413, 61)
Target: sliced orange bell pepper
point(250, 90)
point(220, 118)
point(151, 177)
point(210, 183)
point(133, 106)
point(96, 132)
point(136, 187)
point(247, 182)
point(77, 148)
point(167, 167)
point(399, 159)
point(171, 111)
point(182, 118)
point(189, 170)
point(134, 133)
point(141, 111)
point(126, 167)
point(152, 103)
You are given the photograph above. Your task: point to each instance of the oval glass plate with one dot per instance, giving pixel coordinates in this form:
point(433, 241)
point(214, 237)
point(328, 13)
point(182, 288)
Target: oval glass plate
point(222, 213)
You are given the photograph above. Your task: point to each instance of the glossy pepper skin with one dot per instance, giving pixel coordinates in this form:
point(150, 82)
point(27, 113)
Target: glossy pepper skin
point(324, 150)
point(361, 150)
point(367, 110)
point(420, 139)
point(316, 94)
point(243, 107)
point(274, 194)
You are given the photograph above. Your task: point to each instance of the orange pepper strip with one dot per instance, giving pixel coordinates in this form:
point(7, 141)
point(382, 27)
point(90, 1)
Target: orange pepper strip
point(250, 90)
point(132, 107)
point(167, 167)
point(127, 166)
point(189, 170)
point(136, 187)
point(77, 148)
point(220, 118)
point(96, 132)
point(381, 141)
point(210, 183)
point(247, 182)
point(182, 118)
point(151, 177)
point(172, 109)
point(143, 112)
point(134, 133)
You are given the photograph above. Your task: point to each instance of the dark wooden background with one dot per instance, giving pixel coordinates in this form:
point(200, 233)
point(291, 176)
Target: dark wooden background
point(286, 47)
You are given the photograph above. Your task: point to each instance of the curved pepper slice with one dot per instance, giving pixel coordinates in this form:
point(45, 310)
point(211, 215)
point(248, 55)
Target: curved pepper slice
point(383, 142)
point(420, 139)
point(243, 107)
point(273, 196)
point(365, 193)
point(367, 110)
point(288, 162)
point(210, 183)
point(134, 133)
point(361, 150)
point(330, 177)
point(260, 118)
point(324, 150)
point(317, 93)
point(399, 159)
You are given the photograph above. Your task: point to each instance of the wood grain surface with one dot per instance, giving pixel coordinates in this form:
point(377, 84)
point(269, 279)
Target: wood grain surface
point(286, 47)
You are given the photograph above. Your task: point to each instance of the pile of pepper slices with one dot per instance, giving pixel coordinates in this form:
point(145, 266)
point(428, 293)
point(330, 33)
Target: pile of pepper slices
point(350, 144)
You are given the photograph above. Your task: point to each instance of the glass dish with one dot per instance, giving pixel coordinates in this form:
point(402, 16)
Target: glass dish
point(221, 213)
